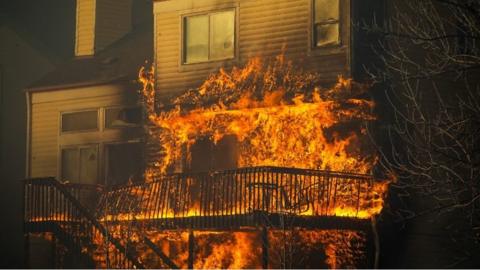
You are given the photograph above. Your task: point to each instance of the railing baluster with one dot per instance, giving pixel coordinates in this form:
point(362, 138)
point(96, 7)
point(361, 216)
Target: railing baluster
point(358, 197)
point(203, 198)
point(156, 199)
point(236, 204)
point(214, 193)
point(220, 199)
point(163, 198)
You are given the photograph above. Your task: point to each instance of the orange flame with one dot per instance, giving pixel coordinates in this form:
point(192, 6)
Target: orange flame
point(278, 115)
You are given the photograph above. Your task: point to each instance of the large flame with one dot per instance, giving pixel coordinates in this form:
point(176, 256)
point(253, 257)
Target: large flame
point(279, 116)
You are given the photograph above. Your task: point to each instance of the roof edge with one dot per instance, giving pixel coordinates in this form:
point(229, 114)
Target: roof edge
point(76, 85)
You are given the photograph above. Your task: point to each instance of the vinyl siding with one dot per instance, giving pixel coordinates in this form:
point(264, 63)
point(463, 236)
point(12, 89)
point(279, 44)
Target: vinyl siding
point(100, 23)
point(85, 28)
point(264, 27)
point(45, 138)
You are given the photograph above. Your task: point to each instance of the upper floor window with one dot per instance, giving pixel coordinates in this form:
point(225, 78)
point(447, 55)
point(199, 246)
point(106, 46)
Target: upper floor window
point(209, 37)
point(326, 26)
point(79, 121)
point(119, 117)
point(114, 117)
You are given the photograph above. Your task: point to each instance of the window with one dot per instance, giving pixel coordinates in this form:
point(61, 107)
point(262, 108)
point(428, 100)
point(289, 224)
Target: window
point(123, 117)
point(80, 164)
point(209, 37)
point(79, 121)
point(326, 27)
point(124, 161)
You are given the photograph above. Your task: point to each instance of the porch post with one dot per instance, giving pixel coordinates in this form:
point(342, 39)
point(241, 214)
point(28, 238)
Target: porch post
point(265, 246)
point(191, 249)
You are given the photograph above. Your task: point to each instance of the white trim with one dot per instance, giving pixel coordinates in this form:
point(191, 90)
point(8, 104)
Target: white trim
point(104, 117)
point(179, 5)
point(216, 63)
point(210, 14)
point(60, 124)
point(78, 147)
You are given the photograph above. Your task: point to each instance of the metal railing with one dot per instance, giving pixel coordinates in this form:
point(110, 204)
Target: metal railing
point(243, 191)
point(51, 207)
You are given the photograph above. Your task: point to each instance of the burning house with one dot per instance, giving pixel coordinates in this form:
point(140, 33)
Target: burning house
point(244, 145)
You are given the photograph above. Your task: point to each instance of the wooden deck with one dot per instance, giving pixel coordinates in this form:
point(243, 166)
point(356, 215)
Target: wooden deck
point(247, 197)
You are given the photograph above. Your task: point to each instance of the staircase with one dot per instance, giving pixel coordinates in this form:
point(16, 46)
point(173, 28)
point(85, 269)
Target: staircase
point(50, 207)
point(110, 227)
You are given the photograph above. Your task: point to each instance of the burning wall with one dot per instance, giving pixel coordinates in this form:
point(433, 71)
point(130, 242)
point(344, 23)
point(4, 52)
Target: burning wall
point(277, 114)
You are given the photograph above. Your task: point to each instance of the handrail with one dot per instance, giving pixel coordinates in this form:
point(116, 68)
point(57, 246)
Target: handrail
point(238, 192)
point(74, 212)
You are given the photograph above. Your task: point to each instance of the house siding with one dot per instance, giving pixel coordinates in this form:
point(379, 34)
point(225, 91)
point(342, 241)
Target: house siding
point(100, 23)
point(85, 28)
point(263, 28)
point(45, 138)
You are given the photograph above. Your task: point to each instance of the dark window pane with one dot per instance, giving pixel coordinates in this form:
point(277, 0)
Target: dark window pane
point(124, 162)
point(326, 34)
point(123, 117)
point(70, 165)
point(196, 39)
point(79, 121)
point(223, 32)
point(88, 165)
point(326, 10)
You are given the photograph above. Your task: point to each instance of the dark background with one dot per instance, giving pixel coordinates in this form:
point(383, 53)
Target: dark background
point(35, 37)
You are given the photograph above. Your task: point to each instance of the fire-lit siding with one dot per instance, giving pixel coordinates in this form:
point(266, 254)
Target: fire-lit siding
point(85, 32)
point(45, 138)
point(263, 27)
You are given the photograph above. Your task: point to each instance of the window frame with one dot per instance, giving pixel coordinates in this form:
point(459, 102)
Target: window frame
point(104, 118)
point(99, 124)
point(312, 31)
point(78, 147)
point(208, 13)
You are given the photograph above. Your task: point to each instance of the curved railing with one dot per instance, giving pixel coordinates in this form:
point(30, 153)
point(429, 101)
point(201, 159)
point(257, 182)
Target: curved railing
point(269, 190)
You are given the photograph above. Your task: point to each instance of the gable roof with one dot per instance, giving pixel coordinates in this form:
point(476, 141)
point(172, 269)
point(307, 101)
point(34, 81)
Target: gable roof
point(120, 61)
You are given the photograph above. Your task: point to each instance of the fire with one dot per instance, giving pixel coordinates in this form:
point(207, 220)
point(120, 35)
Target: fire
point(330, 248)
point(274, 115)
point(279, 116)
point(228, 250)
